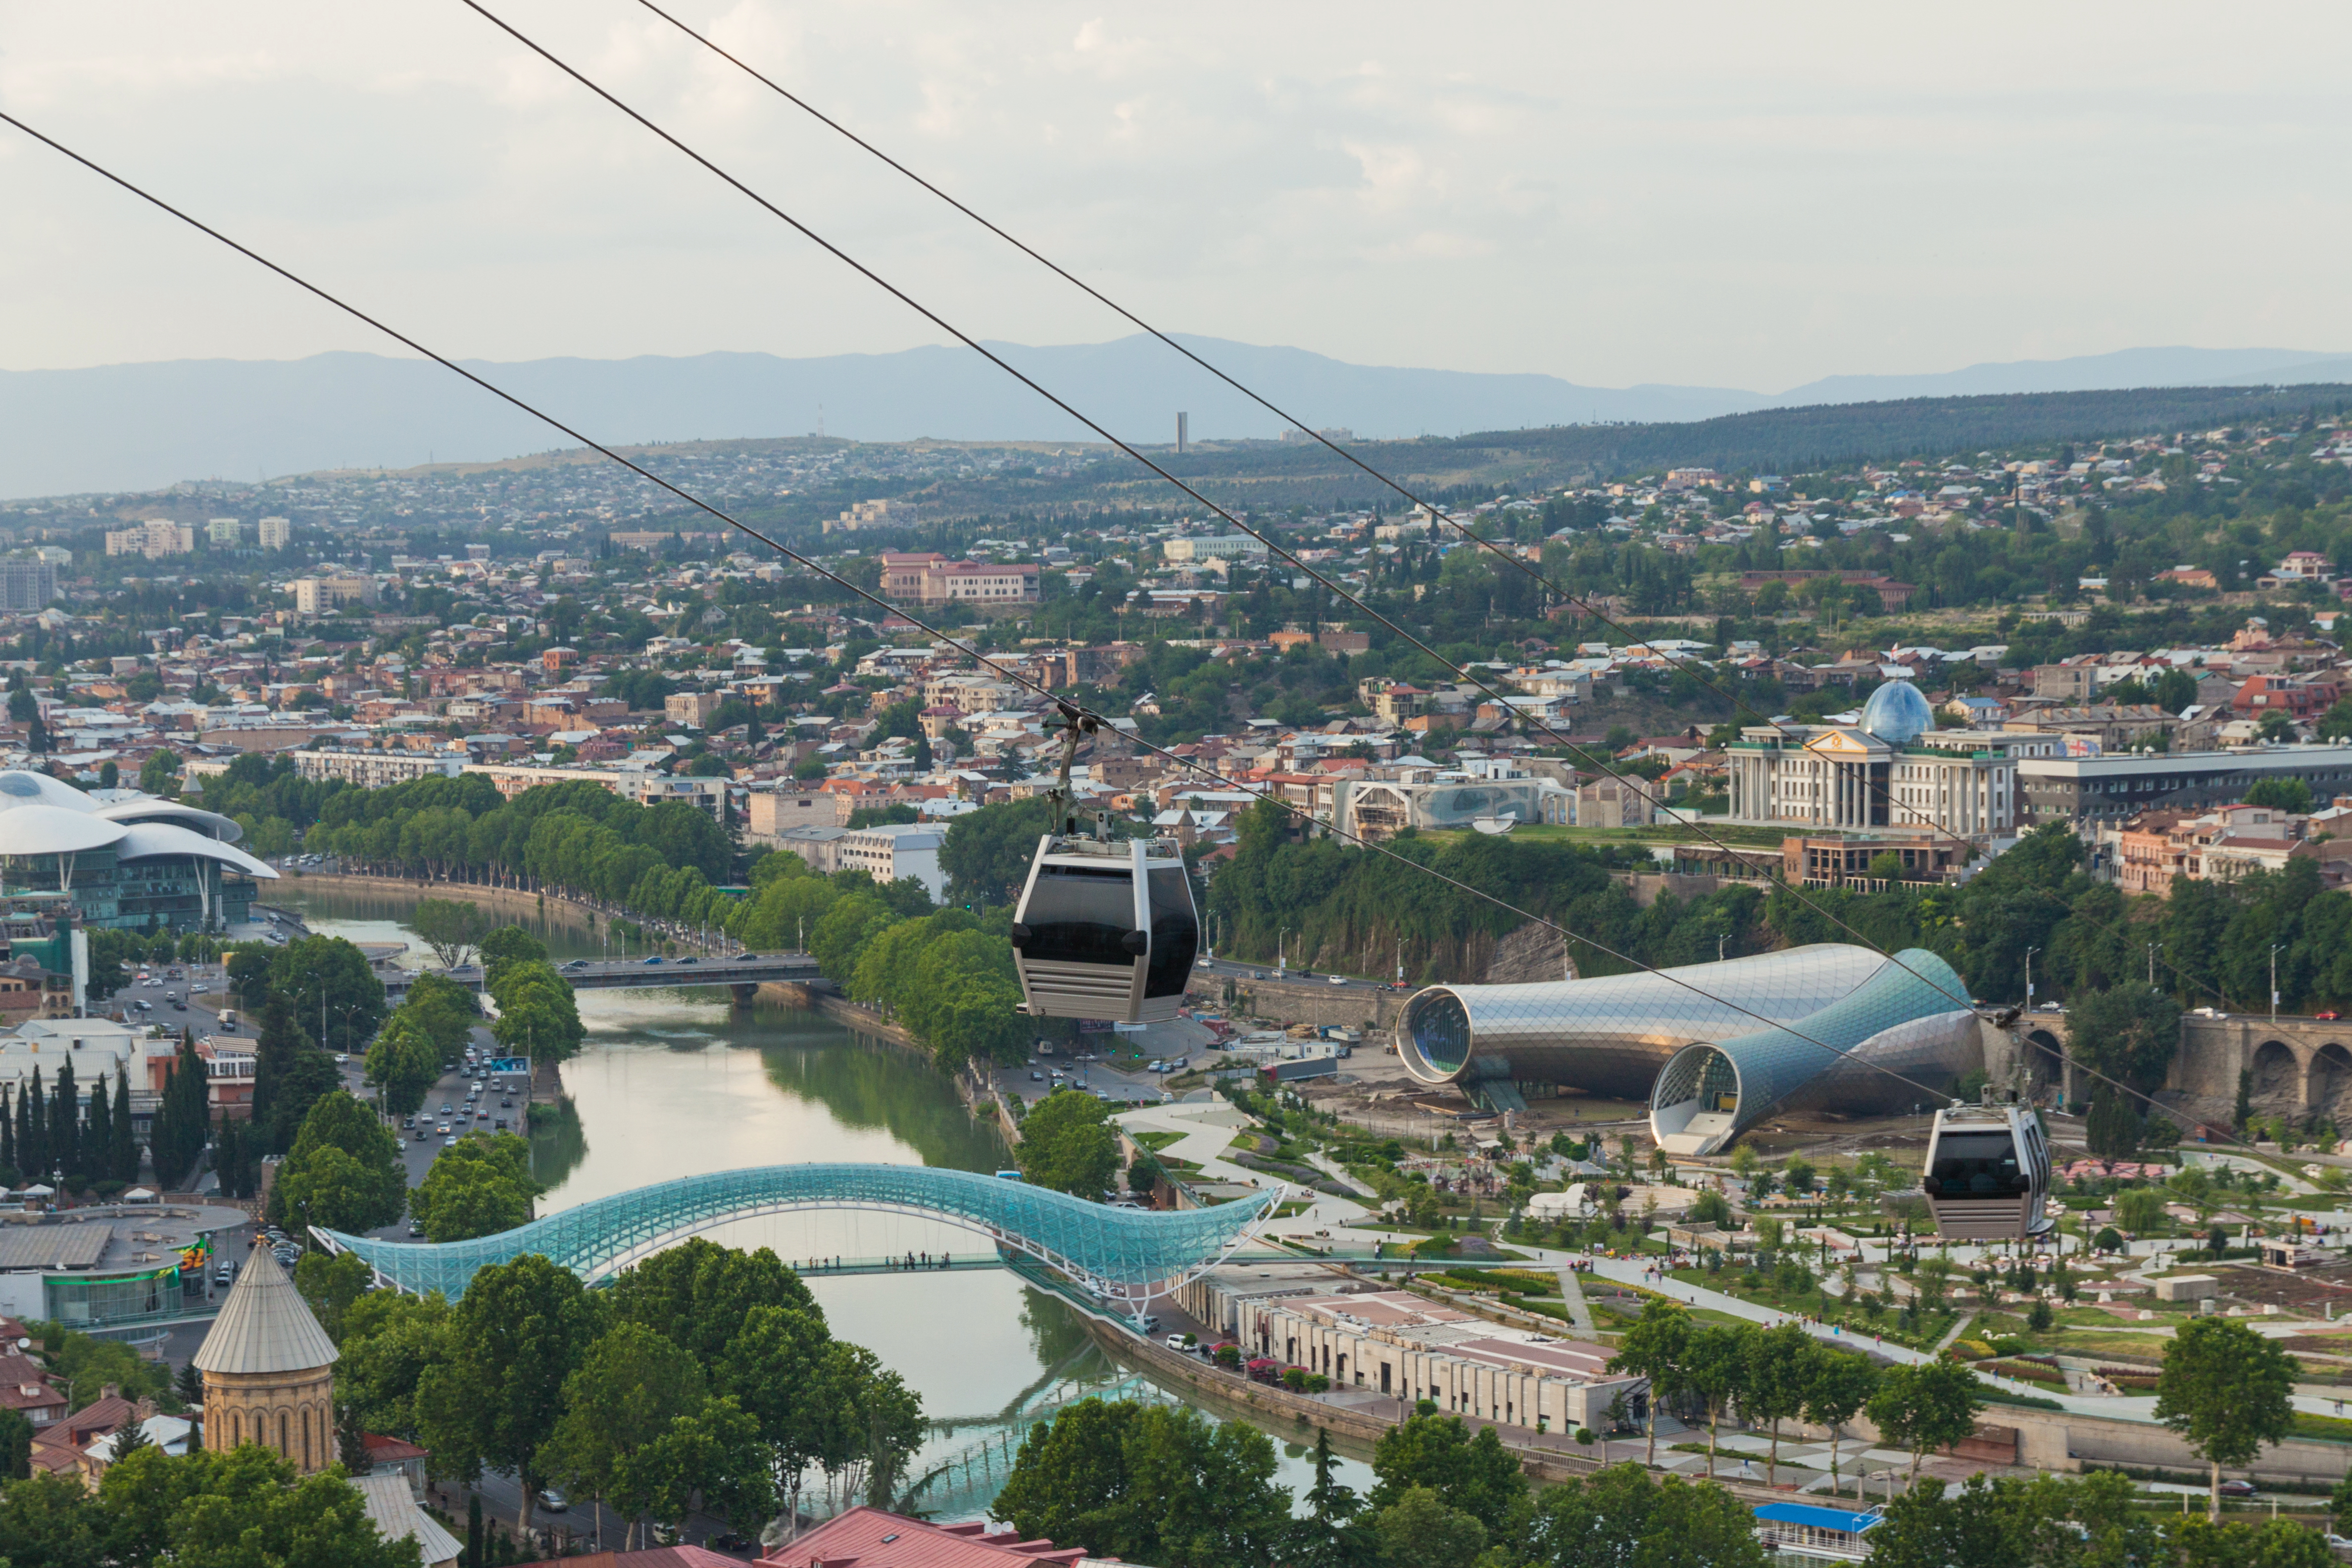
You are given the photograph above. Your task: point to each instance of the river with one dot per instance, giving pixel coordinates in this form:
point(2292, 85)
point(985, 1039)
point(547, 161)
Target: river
point(678, 1082)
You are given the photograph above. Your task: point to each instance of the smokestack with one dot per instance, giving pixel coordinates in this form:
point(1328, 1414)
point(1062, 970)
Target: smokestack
point(1183, 430)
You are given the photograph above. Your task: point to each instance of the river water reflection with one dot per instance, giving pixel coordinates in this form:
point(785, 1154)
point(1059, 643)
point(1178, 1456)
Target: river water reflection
point(678, 1082)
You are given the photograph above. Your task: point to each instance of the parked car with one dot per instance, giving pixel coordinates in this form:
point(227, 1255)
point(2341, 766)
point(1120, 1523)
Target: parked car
point(554, 1501)
point(2237, 1488)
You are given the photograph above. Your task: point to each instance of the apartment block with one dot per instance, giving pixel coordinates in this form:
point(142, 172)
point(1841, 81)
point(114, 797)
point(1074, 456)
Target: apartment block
point(153, 539)
point(325, 595)
point(276, 532)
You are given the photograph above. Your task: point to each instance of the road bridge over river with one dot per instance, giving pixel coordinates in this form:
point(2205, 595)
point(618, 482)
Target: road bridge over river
point(616, 975)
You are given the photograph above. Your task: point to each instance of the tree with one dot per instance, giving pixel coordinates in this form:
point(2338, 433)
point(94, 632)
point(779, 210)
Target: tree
point(1334, 1532)
point(328, 972)
point(2140, 1210)
point(1419, 1530)
point(1779, 1368)
point(2112, 1130)
point(403, 1061)
point(1929, 1404)
point(537, 1016)
point(630, 1386)
point(477, 1186)
point(1714, 1367)
point(1695, 1525)
point(1838, 1384)
point(16, 1447)
point(1477, 1475)
point(388, 1339)
point(1066, 1143)
point(122, 1157)
point(1150, 1484)
point(493, 1401)
point(52, 1520)
point(2226, 1390)
point(1653, 1349)
point(700, 1296)
point(206, 1510)
point(2129, 1033)
point(159, 774)
point(451, 928)
point(344, 1172)
point(331, 1283)
point(509, 944)
point(769, 1366)
point(2288, 795)
point(713, 1454)
point(987, 852)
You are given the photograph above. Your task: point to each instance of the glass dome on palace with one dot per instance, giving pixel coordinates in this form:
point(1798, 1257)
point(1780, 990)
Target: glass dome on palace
point(129, 860)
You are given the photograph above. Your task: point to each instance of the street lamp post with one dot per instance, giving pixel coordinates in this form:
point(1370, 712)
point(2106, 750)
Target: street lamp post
point(2029, 977)
point(2275, 953)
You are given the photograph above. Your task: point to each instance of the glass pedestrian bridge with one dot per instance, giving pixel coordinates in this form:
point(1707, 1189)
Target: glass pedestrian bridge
point(1120, 1256)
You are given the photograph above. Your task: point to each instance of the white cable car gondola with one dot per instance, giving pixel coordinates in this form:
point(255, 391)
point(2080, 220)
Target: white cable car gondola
point(1988, 1172)
point(1106, 928)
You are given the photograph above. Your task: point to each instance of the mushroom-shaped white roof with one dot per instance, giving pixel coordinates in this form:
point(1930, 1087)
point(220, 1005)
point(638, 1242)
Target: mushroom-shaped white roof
point(36, 829)
point(22, 787)
point(147, 840)
point(155, 808)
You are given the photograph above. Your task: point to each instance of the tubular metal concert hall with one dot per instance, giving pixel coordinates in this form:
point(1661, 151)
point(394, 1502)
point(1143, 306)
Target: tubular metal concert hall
point(1711, 1068)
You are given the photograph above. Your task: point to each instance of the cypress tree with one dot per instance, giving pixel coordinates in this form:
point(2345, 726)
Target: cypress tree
point(473, 1530)
point(97, 1137)
point(8, 1125)
point(123, 1148)
point(65, 1122)
point(33, 1130)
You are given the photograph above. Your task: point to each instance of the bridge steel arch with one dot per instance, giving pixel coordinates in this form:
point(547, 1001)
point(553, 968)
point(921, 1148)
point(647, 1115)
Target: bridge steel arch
point(1127, 1255)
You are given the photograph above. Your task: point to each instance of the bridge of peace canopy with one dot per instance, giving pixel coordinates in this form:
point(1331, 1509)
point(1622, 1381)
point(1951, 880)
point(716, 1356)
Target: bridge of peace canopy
point(1122, 1257)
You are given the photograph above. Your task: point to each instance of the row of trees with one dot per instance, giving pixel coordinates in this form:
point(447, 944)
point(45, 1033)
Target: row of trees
point(576, 837)
point(1772, 1375)
point(1165, 1484)
point(52, 1132)
point(706, 1378)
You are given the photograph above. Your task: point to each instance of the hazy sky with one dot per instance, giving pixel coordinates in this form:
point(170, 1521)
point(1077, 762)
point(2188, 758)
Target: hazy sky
point(1733, 195)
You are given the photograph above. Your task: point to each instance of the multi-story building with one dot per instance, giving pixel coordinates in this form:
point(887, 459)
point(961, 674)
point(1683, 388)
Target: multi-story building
point(1962, 781)
point(378, 770)
point(325, 595)
point(27, 584)
point(224, 531)
point(644, 786)
point(1213, 547)
point(691, 707)
point(867, 514)
point(153, 540)
point(2110, 789)
point(274, 532)
point(770, 813)
point(888, 853)
point(930, 578)
point(2144, 853)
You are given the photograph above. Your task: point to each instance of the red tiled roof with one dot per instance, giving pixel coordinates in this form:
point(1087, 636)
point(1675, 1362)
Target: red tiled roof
point(659, 1557)
point(869, 1537)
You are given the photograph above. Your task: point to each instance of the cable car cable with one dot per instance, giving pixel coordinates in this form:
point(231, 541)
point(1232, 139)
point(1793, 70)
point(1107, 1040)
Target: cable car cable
point(978, 347)
point(816, 568)
point(1729, 694)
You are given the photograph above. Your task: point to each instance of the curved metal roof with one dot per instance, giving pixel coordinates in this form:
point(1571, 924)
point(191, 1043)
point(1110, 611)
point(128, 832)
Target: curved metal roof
point(148, 840)
point(155, 808)
point(21, 787)
point(33, 828)
point(1611, 1034)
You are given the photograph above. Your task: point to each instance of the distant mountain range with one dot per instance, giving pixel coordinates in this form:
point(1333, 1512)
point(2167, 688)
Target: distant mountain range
point(142, 427)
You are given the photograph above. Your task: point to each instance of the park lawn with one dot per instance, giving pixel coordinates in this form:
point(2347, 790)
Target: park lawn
point(1157, 1137)
point(2083, 1342)
point(2324, 1428)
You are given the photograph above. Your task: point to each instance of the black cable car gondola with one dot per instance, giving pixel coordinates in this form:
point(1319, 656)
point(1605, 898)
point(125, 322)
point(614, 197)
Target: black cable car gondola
point(1106, 928)
point(1987, 1173)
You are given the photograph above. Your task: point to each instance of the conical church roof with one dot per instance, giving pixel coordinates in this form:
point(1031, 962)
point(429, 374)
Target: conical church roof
point(265, 1325)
